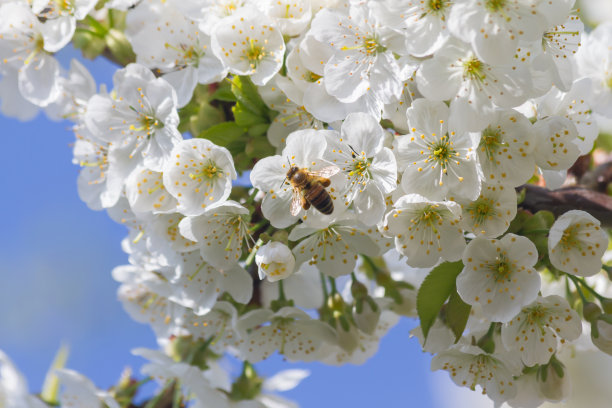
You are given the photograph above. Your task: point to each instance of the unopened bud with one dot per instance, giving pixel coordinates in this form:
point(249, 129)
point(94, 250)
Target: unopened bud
point(591, 311)
point(367, 317)
point(607, 305)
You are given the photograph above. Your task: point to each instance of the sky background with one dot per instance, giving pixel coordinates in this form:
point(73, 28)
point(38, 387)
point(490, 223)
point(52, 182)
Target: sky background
point(56, 258)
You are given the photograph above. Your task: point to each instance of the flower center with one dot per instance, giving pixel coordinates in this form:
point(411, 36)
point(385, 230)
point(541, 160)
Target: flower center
point(190, 54)
point(147, 122)
point(473, 69)
point(274, 268)
point(440, 152)
point(429, 216)
point(535, 315)
point(481, 210)
point(569, 239)
point(495, 5)
point(360, 167)
point(491, 142)
point(502, 268)
point(208, 171)
point(229, 8)
point(311, 77)
point(254, 53)
point(609, 82)
point(436, 6)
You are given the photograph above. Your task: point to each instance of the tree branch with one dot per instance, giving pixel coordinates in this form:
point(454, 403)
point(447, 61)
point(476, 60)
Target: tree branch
point(559, 201)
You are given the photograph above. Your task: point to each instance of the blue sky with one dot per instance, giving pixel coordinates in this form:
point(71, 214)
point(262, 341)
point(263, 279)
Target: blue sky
point(57, 256)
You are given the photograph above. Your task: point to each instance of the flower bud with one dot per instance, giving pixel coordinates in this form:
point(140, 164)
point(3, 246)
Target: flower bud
point(556, 386)
point(601, 335)
point(275, 261)
point(591, 311)
point(366, 314)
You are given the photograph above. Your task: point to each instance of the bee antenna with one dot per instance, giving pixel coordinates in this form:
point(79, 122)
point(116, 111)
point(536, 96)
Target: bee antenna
point(355, 154)
point(289, 161)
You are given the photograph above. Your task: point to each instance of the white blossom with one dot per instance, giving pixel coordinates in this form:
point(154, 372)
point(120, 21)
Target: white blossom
point(25, 46)
point(505, 150)
point(139, 116)
point(491, 213)
point(290, 331)
point(536, 330)
point(180, 50)
point(199, 174)
point(576, 243)
point(80, 392)
point(221, 232)
point(370, 168)
point(474, 87)
point(439, 162)
point(499, 276)
point(469, 366)
point(425, 231)
point(362, 60)
point(249, 43)
point(275, 261)
point(332, 248)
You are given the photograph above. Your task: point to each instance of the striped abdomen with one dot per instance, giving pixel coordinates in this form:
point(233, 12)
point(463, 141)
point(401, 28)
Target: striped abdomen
point(318, 197)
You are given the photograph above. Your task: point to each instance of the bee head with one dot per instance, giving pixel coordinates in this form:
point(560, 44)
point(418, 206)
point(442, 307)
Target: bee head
point(292, 171)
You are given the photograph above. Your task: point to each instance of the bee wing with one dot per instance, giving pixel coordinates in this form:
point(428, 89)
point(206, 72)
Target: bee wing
point(296, 202)
point(325, 172)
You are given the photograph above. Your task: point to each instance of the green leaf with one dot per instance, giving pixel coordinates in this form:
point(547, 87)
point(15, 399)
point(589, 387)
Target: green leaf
point(206, 117)
point(259, 130)
point(259, 147)
point(245, 117)
point(535, 228)
point(223, 134)
point(434, 291)
point(457, 314)
point(246, 93)
point(224, 93)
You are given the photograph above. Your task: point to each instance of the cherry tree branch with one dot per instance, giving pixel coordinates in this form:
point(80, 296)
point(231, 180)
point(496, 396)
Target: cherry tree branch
point(559, 201)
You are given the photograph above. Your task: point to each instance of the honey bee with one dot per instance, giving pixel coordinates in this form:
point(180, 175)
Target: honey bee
point(309, 189)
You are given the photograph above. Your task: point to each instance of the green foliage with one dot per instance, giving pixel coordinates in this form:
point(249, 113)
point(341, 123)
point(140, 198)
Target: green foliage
point(535, 227)
point(457, 314)
point(95, 37)
point(436, 288)
point(241, 129)
point(604, 141)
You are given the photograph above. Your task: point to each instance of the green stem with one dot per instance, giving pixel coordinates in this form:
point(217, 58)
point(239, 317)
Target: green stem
point(324, 287)
point(332, 283)
point(590, 289)
point(371, 264)
point(153, 403)
point(257, 226)
point(281, 290)
point(576, 283)
point(178, 396)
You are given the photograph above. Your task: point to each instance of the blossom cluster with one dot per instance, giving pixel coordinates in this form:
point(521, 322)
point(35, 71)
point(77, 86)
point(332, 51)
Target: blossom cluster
point(383, 141)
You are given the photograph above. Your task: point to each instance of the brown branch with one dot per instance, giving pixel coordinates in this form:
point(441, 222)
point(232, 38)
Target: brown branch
point(559, 201)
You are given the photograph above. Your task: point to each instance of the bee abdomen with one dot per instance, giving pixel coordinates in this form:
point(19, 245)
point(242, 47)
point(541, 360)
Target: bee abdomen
point(320, 199)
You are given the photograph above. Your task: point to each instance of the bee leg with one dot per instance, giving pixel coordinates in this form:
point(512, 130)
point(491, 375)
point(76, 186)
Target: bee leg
point(305, 203)
point(325, 182)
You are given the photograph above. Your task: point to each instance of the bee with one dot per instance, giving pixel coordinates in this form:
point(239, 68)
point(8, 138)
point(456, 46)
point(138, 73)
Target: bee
point(309, 189)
